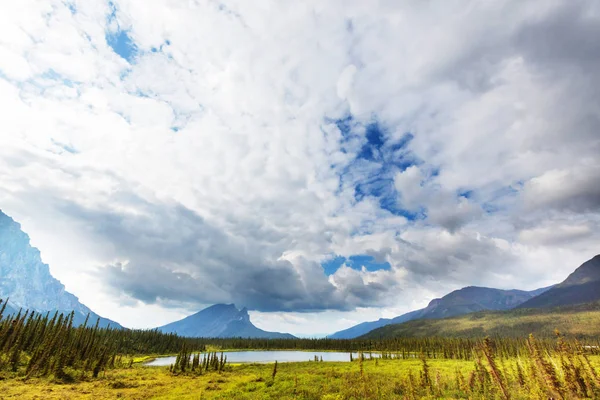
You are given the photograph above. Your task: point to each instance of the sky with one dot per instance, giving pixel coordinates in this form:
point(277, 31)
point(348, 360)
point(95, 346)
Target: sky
point(321, 163)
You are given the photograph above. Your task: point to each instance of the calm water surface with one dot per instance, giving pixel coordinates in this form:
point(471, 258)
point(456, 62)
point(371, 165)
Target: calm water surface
point(270, 356)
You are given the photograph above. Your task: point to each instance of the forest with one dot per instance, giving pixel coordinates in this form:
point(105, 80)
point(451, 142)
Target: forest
point(37, 350)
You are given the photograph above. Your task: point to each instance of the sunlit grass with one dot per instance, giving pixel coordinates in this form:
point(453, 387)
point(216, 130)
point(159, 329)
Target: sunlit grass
point(381, 379)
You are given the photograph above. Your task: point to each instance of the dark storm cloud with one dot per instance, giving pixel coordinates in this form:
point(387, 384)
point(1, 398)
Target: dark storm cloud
point(174, 255)
point(567, 36)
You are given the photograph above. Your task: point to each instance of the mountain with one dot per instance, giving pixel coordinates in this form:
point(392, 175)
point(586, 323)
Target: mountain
point(220, 320)
point(582, 286)
point(581, 321)
point(364, 327)
point(572, 307)
point(463, 301)
point(27, 283)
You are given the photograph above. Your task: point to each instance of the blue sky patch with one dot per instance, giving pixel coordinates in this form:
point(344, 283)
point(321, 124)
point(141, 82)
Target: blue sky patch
point(377, 159)
point(345, 124)
point(117, 38)
point(332, 265)
point(372, 149)
point(355, 262)
point(122, 44)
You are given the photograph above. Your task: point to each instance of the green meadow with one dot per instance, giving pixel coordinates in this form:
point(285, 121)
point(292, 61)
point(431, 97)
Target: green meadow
point(522, 378)
point(306, 380)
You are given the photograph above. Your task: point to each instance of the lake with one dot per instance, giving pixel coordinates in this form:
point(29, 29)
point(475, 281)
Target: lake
point(270, 357)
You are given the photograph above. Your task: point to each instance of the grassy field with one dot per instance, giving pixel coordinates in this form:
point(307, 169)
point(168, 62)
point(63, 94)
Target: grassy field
point(382, 379)
point(308, 380)
point(581, 321)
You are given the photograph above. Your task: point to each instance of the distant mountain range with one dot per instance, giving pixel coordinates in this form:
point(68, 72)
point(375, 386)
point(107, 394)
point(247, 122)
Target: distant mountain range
point(463, 301)
point(26, 281)
point(220, 320)
point(548, 309)
point(580, 321)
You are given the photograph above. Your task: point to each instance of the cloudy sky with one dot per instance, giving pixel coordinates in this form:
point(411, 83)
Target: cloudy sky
point(322, 163)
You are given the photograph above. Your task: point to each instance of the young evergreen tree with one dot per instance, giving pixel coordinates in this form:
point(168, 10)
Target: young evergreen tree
point(274, 370)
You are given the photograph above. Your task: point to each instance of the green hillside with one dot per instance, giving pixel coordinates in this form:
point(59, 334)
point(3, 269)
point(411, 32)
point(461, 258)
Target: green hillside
point(582, 321)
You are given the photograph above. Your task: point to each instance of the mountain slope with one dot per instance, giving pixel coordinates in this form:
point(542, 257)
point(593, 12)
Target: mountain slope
point(26, 281)
point(362, 328)
point(463, 301)
point(220, 320)
point(581, 321)
point(582, 286)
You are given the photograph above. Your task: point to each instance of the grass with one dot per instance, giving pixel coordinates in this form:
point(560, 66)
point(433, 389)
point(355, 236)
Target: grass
point(581, 321)
point(380, 379)
point(306, 380)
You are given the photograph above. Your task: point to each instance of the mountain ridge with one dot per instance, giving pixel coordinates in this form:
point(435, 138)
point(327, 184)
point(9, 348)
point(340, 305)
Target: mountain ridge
point(579, 293)
point(458, 302)
point(579, 320)
point(581, 286)
point(220, 320)
point(27, 282)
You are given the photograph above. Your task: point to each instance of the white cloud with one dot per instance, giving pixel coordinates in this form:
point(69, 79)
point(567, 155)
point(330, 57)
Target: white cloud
point(214, 150)
point(576, 189)
point(555, 234)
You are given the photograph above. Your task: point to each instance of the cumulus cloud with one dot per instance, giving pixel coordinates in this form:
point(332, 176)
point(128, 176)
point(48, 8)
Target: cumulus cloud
point(555, 234)
point(420, 193)
point(177, 154)
point(575, 189)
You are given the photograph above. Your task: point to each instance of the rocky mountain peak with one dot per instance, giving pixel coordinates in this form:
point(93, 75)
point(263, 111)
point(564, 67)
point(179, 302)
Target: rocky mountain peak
point(219, 320)
point(243, 314)
point(27, 281)
point(25, 278)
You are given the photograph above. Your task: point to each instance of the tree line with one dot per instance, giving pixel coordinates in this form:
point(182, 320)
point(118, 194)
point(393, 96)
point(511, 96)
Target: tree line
point(44, 344)
point(41, 344)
